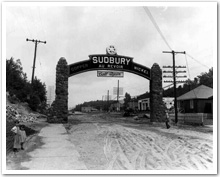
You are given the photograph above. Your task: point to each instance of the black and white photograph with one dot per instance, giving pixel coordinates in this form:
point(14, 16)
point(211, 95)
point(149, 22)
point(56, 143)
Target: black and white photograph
point(109, 88)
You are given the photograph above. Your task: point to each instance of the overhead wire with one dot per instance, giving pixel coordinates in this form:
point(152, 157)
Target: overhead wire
point(197, 60)
point(187, 66)
point(39, 27)
point(40, 67)
point(158, 29)
point(168, 85)
point(156, 26)
point(164, 39)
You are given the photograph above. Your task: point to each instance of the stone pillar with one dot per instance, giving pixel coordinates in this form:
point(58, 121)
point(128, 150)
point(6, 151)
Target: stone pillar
point(157, 108)
point(59, 111)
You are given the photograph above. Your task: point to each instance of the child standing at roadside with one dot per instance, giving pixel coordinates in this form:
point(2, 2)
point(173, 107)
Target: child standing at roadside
point(17, 137)
point(23, 136)
point(167, 120)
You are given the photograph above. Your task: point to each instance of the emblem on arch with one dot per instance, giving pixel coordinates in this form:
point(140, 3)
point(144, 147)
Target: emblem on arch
point(111, 50)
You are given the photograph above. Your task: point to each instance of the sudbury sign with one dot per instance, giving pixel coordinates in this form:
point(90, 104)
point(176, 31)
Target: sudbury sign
point(109, 62)
point(110, 74)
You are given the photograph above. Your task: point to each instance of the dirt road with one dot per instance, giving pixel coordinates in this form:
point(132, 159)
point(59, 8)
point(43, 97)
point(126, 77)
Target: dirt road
point(111, 142)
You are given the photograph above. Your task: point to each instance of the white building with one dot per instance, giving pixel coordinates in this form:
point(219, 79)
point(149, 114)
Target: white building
point(144, 104)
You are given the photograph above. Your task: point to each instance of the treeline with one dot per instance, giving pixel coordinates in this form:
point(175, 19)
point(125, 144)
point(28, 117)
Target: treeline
point(205, 78)
point(98, 104)
point(20, 89)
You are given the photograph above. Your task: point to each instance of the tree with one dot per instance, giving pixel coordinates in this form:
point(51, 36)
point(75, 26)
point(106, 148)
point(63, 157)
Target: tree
point(16, 79)
point(18, 85)
point(34, 102)
point(127, 99)
point(206, 78)
point(39, 89)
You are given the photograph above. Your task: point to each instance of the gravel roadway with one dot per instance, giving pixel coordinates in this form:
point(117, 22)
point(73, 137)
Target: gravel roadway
point(112, 142)
point(108, 141)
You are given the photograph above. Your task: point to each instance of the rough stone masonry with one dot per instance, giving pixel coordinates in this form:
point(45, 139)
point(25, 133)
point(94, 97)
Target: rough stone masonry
point(59, 109)
point(157, 108)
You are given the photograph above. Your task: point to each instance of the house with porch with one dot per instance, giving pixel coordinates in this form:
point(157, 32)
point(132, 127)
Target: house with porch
point(198, 100)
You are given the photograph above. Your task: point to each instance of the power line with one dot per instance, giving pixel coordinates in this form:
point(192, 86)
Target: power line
point(168, 85)
point(187, 66)
point(174, 80)
point(35, 51)
point(40, 67)
point(197, 61)
point(156, 26)
point(189, 73)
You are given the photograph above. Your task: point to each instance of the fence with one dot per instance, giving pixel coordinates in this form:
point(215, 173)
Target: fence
point(193, 118)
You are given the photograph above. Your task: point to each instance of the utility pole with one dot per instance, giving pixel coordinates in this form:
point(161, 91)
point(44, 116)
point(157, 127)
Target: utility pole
point(174, 80)
point(102, 103)
point(35, 53)
point(108, 101)
point(118, 105)
point(118, 91)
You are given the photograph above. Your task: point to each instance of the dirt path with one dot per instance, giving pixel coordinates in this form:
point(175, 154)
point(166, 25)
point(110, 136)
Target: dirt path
point(103, 144)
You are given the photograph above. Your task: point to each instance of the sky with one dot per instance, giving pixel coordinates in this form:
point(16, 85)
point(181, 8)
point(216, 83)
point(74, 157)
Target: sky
point(75, 31)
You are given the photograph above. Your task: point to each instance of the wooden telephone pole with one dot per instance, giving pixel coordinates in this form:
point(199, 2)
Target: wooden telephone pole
point(35, 53)
point(174, 81)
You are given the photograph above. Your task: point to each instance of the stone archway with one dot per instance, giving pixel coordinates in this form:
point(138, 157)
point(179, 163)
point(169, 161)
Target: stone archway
point(59, 108)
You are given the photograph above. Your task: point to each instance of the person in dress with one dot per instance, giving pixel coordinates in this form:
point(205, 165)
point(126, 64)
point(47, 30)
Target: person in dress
point(17, 137)
point(23, 136)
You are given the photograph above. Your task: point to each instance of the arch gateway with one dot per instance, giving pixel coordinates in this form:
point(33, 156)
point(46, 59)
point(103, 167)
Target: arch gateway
point(109, 61)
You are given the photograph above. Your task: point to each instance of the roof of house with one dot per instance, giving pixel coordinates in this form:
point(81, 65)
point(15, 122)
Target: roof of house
point(201, 92)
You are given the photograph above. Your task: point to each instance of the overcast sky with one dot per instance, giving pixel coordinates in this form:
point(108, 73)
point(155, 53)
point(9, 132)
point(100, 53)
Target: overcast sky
point(74, 32)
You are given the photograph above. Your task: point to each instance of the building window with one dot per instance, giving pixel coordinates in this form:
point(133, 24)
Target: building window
point(191, 104)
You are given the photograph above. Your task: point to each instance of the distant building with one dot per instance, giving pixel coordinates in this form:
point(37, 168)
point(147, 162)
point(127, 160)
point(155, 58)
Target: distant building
point(117, 106)
point(50, 95)
point(88, 109)
point(198, 100)
point(144, 104)
point(133, 104)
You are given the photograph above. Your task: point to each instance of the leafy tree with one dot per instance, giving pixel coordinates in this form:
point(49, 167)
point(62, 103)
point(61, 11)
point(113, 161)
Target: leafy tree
point(18, 85)
point(206, 78)
point(34, 102)
point(78, 107)
point(39, 89)
point(127, 99)
point(16, 79)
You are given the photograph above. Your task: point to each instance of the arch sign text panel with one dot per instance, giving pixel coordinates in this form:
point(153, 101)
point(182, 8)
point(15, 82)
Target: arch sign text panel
point(109, 62)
